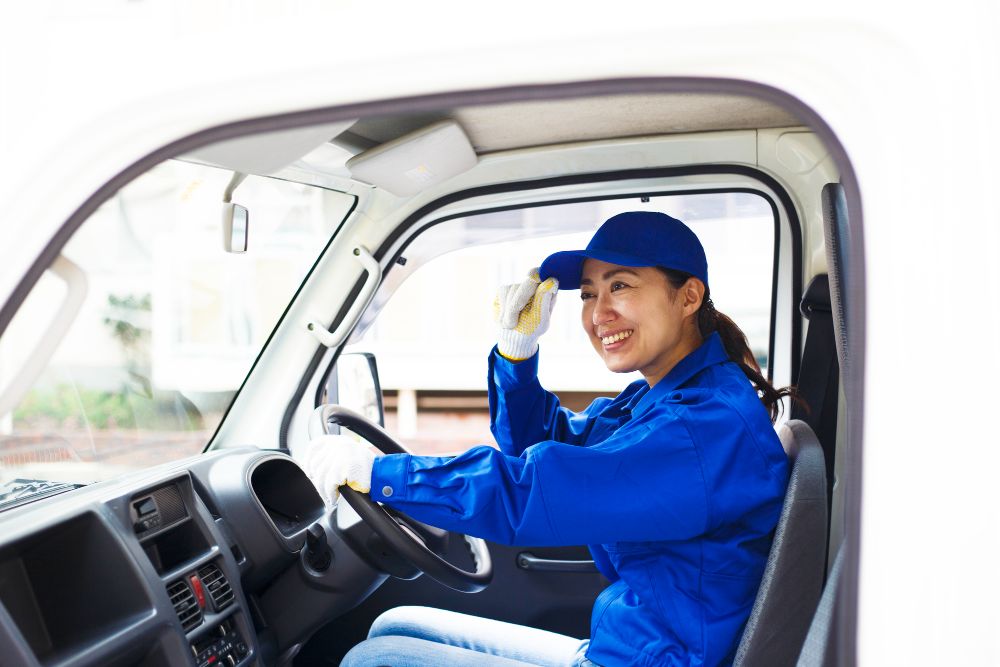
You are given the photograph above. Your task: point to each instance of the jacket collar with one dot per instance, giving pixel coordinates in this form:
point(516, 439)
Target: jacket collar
point(709, 353)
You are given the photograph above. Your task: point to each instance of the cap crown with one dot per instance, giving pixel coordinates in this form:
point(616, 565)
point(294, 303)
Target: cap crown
point(636, 238)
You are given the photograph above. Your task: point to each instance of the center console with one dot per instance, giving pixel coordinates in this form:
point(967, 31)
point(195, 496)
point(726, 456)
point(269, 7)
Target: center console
point(223, 646)
point(193, 572)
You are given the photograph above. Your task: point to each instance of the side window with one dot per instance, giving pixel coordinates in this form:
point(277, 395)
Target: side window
point(433, 335)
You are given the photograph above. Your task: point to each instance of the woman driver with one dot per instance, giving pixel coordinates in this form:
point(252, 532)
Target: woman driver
point(676, 485)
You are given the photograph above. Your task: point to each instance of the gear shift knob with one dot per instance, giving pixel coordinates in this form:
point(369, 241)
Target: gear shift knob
point(318, 554)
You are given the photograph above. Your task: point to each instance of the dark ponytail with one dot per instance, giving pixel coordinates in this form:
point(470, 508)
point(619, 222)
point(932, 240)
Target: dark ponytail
point(735, 342)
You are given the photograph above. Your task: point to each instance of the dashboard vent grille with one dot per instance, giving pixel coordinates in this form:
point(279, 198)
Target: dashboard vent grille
point(219, 589)
point(185, 604)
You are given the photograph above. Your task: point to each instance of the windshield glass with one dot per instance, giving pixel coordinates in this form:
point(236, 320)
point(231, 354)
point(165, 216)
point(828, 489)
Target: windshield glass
point(167, 327)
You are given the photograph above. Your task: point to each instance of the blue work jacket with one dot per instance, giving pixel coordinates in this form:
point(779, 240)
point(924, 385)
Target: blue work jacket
point(676, 490)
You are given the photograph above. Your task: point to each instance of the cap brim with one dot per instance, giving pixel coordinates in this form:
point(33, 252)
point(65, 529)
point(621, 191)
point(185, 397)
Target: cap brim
point(566, 266)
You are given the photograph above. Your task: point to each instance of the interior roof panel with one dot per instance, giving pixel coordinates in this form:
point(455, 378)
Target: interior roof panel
point(499, 127)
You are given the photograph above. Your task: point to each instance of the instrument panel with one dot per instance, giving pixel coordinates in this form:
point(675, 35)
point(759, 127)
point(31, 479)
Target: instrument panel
point(198, 562)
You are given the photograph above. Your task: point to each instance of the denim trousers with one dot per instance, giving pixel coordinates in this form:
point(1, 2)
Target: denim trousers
point(427, 637)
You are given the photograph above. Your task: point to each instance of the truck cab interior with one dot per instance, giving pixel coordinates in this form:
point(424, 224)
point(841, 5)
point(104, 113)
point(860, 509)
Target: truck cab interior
point(167, 357)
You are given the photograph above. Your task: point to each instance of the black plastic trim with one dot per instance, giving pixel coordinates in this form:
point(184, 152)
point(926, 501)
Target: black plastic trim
point(796, 321)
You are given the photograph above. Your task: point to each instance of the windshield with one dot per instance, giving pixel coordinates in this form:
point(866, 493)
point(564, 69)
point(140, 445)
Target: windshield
point(166, 326)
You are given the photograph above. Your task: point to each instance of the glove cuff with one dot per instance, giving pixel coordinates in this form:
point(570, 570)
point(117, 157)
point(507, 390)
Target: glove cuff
point(516, 346)
point(359, 475)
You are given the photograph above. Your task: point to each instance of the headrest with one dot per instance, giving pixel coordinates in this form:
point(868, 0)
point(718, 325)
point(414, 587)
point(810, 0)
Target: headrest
point(817, 297)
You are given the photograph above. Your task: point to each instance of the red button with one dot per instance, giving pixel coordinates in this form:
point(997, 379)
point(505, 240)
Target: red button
point(199, 591)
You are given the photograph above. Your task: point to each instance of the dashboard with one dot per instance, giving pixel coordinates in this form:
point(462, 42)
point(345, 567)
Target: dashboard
point(229, 558)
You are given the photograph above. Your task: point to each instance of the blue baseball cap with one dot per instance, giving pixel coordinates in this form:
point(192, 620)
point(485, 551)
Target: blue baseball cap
point(637, 238)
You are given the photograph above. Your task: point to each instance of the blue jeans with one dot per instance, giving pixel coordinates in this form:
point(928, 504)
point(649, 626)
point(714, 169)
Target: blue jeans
point(427, 637)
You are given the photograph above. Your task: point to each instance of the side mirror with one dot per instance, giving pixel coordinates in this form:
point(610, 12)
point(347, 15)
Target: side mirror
point(354, 384)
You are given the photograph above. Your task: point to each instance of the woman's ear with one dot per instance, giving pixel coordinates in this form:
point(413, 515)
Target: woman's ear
point(693, 293)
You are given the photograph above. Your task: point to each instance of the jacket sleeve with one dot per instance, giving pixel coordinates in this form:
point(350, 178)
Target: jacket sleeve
point(522, 413)
point(603, 563)
point(643, 484)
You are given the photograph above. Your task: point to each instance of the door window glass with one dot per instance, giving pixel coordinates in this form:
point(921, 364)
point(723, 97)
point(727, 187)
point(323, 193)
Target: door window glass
point(433, 336)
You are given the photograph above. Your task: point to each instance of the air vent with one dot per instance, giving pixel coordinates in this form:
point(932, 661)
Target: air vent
point(185, 604)
point(218, 588)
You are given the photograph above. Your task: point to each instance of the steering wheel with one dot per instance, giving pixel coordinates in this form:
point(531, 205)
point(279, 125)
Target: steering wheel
point(405, 542)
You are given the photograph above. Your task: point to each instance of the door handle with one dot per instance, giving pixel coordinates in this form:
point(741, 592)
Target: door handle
point(529, 561)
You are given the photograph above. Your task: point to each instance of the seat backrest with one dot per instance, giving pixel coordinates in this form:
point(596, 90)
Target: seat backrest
point(793, 578)
point(819, 649)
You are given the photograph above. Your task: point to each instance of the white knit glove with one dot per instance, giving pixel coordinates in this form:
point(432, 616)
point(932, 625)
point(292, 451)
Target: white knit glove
point(523, 311)
point(332, 461)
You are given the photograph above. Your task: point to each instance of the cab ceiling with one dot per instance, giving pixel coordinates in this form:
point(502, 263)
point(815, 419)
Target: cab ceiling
point(514, 125)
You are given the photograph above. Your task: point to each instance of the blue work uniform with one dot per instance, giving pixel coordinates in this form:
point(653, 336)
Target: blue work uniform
point(676, 489)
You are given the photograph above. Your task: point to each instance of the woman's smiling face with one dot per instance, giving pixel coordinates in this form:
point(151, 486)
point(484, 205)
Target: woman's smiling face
point(636, 320)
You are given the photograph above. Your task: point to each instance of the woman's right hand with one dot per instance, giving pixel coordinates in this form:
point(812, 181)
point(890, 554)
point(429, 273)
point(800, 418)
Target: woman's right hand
point(522, 312)
point(332, 461)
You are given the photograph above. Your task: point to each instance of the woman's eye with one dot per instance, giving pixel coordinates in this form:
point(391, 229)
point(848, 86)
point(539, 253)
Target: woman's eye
point(586, 295)
point(617, 286)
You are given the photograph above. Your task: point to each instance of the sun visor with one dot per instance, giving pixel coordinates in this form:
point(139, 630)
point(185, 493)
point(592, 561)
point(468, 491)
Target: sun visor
point(416, 161)
point(268, 152)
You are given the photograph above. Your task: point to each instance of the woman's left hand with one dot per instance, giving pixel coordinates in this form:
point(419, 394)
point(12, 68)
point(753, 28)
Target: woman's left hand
point(332, 461)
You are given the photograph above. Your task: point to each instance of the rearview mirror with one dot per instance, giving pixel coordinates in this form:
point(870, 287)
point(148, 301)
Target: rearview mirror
point(235, 227)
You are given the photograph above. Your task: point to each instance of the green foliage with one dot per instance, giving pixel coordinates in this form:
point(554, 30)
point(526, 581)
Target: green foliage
point(133, 340)
point(124, 331)
point(68, 405)
point(132, 302)
point(135, 404)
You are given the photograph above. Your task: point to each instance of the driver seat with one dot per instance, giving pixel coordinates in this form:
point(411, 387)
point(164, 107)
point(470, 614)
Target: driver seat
point(793, 577)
